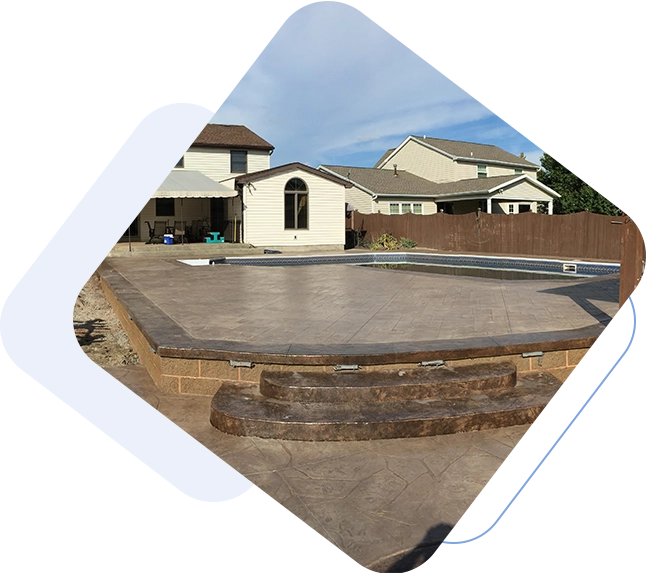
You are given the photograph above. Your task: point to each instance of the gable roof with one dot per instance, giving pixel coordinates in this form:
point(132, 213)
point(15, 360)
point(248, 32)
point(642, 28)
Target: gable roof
point(486, 185)
point(387, 153)
point(230, 137)
point(288, 167)
point(383, 181)
point(465, 151)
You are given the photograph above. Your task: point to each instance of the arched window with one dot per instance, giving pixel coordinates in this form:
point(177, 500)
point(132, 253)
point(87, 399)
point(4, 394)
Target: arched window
point(296, 204)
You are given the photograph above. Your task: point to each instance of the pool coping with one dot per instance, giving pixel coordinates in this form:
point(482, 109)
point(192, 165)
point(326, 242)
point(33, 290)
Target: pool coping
point(166, 338)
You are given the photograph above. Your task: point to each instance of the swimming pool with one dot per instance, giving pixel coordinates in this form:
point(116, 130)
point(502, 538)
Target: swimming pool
point(562, 268)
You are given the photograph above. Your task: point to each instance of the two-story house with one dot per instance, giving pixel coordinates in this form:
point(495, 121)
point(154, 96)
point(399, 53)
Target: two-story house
point(425, 175)
point(224, 183)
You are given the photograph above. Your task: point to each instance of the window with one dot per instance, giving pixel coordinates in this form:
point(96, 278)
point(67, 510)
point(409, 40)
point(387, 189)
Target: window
point(296, 204)
point(481, 170)
point(402, 208)
point(510, 207)
point(164, 207)
point(180, 163)
point(238, 161)
point(518, 171)
point(524, 207)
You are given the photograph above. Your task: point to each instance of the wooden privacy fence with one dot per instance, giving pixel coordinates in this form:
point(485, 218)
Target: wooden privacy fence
point(578, 235)
point(632, 263)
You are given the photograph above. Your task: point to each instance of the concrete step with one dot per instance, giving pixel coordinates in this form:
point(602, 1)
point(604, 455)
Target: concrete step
point(390, 385)
point(241, 409)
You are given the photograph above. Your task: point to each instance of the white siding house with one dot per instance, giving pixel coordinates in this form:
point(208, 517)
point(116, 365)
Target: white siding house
point(293, 205)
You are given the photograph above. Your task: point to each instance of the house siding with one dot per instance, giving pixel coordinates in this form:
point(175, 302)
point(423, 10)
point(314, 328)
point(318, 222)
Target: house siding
point(264, 212)
point(216, 164)
point(423, 162)
point(524, 191)
point(382, 204)
point(360, 200)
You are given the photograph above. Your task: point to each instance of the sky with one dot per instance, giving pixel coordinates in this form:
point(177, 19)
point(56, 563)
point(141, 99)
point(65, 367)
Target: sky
point(332, 87)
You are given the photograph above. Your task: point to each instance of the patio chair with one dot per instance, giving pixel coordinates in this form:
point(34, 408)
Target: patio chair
point(179, 232)
point(156, 233)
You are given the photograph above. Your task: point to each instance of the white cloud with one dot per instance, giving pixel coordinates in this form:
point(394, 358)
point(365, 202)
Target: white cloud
point(332, 83)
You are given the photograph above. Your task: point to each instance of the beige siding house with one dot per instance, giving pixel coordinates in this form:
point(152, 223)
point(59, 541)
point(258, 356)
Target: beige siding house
point(426, 175)
point(442, 160)
point(293, 205)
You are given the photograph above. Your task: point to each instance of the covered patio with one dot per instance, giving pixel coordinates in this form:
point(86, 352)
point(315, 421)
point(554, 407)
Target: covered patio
point(188, 205)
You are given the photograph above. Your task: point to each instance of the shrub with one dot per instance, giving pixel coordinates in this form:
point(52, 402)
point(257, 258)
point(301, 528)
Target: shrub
point(407, 243)
point(386, 241)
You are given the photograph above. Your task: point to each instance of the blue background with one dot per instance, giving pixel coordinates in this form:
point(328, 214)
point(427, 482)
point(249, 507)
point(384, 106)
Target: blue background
point(574, 498)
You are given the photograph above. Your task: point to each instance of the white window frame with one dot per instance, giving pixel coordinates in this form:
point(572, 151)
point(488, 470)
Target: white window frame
point(411, 205)
point(481, 170)
point(511, 209)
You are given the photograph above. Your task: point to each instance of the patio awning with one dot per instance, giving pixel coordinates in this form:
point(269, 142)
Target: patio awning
point(186, 183)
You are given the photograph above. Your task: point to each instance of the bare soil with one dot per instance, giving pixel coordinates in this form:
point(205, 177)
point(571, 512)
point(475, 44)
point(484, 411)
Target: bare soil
point(98, 330)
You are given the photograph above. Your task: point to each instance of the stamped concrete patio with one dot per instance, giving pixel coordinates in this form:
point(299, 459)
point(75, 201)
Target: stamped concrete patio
point(324, 306)
point(388, 504)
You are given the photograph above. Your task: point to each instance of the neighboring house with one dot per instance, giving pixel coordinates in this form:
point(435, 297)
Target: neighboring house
point(425, 175)
point(224, 183)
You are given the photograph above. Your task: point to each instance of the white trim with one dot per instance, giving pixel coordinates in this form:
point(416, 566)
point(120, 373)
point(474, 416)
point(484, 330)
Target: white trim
point(532, 166)
point(530, 180)
point(357, 185)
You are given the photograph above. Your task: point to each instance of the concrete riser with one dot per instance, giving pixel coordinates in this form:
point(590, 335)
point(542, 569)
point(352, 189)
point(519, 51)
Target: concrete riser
point(240, 409)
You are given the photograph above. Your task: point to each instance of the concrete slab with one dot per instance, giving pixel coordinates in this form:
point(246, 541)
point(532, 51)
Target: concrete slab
point(357, 308)
point(388, 504)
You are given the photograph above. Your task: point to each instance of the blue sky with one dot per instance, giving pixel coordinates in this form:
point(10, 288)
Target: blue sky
point(332, 87)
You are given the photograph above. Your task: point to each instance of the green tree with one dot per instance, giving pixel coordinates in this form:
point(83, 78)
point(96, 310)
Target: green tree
point(575, 194)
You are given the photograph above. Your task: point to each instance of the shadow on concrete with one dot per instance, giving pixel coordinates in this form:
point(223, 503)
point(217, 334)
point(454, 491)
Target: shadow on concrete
point(409, 559)
point(583, 294)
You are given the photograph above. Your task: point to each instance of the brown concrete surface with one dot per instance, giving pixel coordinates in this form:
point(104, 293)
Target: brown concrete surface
point(388, 504)
point(348, 305)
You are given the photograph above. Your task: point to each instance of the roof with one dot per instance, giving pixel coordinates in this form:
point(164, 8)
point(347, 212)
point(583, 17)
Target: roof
point(231, 137)
point(288, 167)
point(480, 184)
point(387, 153)
point(475, 151)
point(187, 183)
point(384, 182)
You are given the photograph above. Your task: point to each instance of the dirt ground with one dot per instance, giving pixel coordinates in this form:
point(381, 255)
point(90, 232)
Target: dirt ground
point(98, 330)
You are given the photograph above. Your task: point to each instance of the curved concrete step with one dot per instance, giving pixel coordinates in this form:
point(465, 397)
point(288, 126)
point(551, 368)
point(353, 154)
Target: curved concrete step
point(390, 385)
point(240, 409)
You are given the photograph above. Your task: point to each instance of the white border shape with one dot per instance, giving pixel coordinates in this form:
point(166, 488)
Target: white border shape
point(42, 301)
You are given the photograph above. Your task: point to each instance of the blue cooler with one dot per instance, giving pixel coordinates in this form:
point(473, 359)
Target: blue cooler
point(168, 239)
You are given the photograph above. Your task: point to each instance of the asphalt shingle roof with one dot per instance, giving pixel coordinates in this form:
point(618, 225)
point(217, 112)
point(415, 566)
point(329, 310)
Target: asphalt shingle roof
point(483, 184)
point(232, 137)
point(288, 167)
point(384, 182)
point(475, 151)
point(387, 153)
